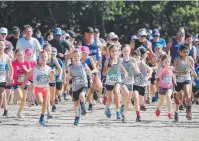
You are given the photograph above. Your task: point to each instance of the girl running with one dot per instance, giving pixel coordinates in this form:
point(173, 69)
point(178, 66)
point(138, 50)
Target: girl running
point(184, 66)
point(113, 69)
point(141, 79)
point(78, 73)
point(131, 67)
point(21, 68)
point(41, 76)
point(6, 69)
point(166, 79)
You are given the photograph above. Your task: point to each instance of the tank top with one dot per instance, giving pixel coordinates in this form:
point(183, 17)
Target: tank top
point(174, 49)
point(139, 77)
point(3, 68)
point(139, 44)
point(41, 77)
point(79, 77)
point(130, 69)
point(114, 74)
point(166, 78)
point(93, 48)
point(183, 67)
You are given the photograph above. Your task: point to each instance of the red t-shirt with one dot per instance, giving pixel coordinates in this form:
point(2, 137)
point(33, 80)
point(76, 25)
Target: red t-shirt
point(19, 72)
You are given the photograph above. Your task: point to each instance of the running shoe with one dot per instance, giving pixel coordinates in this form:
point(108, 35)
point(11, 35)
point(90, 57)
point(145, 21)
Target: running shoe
point(181, 108)
point(118, 115)
point(42, 121)
point(138, 118)
point(5, 113)
point(157, 112)
point(66, 96)
point(54, 108)
point(49, 116)
point(59, 98)
point(19, 115)
point(153, 99)
point(170, 115)
point(108, 113)
point(122, 109)
point(90, 107)
point(176, 117)
point(123, 119)
point(56, 101)
point(76, 122)
point(189, 116)
point(148, 100)
point(143, 108)
point(83, 108)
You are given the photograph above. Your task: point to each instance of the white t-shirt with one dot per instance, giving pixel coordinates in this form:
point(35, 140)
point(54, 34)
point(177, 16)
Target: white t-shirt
point(33, 43)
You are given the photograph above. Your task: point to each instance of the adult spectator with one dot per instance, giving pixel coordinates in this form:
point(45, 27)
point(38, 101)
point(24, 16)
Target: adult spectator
point(49, 36)
point(3, 36)
point(156, 40)
point(39, 37)
point(15, 36)
point(29, 42)
point(175, 43)
point(72, 36)
point(192, 48)
point(196, 44)
point(97, 36)
point(61, 45)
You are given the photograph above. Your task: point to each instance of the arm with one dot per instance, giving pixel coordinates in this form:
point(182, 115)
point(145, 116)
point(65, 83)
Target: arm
point(168, 47)
point(174, 79)
point(58, 67)
point(194, 53)
point(93, 66)
point(30, 73)
point(192, 68)
point(137, 70)
point(107, 66)
point(10, 68)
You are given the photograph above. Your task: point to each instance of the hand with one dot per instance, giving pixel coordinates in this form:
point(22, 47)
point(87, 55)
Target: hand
point(60, 55)
point(193, 83)
point(24, 67)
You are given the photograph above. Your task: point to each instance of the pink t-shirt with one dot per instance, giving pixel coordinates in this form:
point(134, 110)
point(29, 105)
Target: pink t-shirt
point(32, 64)
point(19, 72)
point(166, 78)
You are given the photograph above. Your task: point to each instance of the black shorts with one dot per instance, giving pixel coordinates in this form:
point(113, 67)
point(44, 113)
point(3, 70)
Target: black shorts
point(141, 89)
point(76, 93)
point(153, 80)
point(18, 85)
point(8, 87)
point(195, 92)
point(3, 85)
point(57, 84)
point(180, 86)
point(162, 91)
point(111, 87)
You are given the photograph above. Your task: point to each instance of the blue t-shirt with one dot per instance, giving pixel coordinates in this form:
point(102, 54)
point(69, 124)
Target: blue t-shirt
point(196, 80)
point(160, 41)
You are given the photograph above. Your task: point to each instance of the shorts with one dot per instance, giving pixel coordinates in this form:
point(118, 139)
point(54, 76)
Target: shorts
point(129, 86)
point(76, 93)
point(111, 87)
point(141, 89)
point(3, 85)
point(8, 87)
point(153, 80)
point(162, 91)
point(43, 90)
point(180, 86)
point(195, 92)
point(18, 85)
point(57, 84)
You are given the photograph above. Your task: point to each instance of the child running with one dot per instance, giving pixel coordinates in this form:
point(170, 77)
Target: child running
point(113, 69)
point(6, 69)
point(78, 73)
point(166, 79)
point(41, 76)
point(184, 66)
point(21, 67)
point(131, 67)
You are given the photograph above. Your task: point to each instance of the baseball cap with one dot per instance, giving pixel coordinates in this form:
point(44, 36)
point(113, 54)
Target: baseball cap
point(3, 30)
point(72, 34)
point(15, 30)
point(58, 31)
point(115, 37)
point(96, 30)
point(28, 51)
point(134, 37)
point(84, 49)
point(156, 32)
point(54, 50)
point(89, 30)
point(142, 33)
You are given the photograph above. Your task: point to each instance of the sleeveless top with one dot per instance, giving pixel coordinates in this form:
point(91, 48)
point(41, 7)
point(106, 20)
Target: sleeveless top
point(114, 75)
point(166, 78)
point(183, 67)
point(130, 69)
point(79, 77)
point(3, 68)
point(41, 77)
point(174, 49)
point(94, 51)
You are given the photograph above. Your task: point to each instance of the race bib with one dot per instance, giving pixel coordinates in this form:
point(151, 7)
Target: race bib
point(78, 80)
point(42, 79)
point(113, 78)
point(180, 79)
point(21, 77)
point(166, 79)
point(139, 79)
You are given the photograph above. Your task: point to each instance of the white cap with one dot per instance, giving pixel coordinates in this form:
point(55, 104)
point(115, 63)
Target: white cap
point(134, 37)
point(3, 30)
point(142, 33)
point(195, 39)
point(115, 37)
point(67, 35)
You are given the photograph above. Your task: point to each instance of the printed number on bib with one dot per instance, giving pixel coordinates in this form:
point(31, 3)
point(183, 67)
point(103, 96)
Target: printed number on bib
point(180, 79)
point(78, 80)
point(167, 79)
point(42, 79)
point(21, 77)
point(139, 79)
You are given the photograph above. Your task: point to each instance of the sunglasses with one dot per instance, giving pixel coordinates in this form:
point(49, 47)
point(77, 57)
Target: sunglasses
point(155, 36)
point(115, 39)
point(143, 36)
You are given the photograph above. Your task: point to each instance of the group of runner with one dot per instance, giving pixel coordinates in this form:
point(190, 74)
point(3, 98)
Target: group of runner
point(92, 69)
